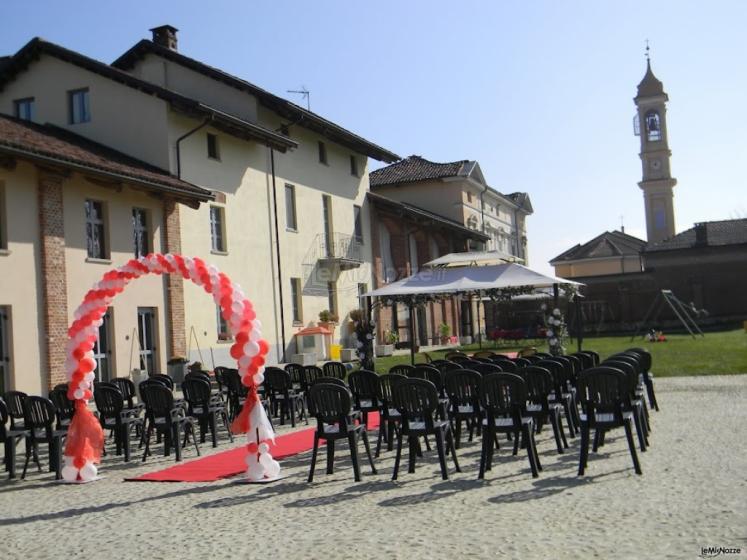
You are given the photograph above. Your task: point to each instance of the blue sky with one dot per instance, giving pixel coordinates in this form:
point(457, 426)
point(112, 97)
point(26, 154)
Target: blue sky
point(540, 93)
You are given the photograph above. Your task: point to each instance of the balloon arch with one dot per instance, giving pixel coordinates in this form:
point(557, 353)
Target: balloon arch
point(85, 439)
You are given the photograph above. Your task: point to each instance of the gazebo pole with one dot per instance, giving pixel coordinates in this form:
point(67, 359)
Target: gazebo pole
point(579, 322)
point(479, 321)
point(412, 335)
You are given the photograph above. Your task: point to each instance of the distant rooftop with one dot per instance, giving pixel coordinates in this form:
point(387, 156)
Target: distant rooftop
point(705, 234)
point(607, 244)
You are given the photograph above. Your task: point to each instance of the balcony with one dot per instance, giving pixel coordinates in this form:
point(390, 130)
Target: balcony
point(342, 251)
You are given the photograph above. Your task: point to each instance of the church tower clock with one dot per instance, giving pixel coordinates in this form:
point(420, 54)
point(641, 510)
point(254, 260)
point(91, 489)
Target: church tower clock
point(657, 183)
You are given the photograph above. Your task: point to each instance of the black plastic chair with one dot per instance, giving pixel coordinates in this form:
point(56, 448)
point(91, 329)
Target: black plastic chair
point(14, 400)
point(296, 373)
point(602, 392)
point(39, 419)
point(539, 383)
point(486, 368)
point(114, 416)
point(484, 355)
point(206, 407)
point(10, 438)
point(308, 376)
point(417, 402)
point(648, 377)
point(366, 390)
point(283, 398)
point(633, 402)
point(64, 407)
point(503, 396)
point(236, 392)
point(506, 365)
point(455, 354)
point(389, 417)
point(335, 369)
point(463, 389)
point(401, 369)
point(332, 408)
point(166, 418)
point(562, 392)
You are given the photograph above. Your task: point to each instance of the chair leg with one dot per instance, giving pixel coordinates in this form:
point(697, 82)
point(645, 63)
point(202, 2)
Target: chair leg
point(450, 442)
point(526, 434)
point(442, 454)
point(330, 456)
point(397, 457)
point(414, 447)
point(364, 436)
point(313, 456)
point(214, 429)
point(516, 443)
point(562, 430)
point(631, 446)
point(353, 443)
point(638, 421)
point(175, 436)
point(146, 437)
point(584, 452)
point(487, 442)
point(126, 440)
point(556, 432)
point(380, 437)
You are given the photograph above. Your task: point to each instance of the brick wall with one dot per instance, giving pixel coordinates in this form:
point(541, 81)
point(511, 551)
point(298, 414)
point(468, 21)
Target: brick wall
point(54, 277)
point(177, 341)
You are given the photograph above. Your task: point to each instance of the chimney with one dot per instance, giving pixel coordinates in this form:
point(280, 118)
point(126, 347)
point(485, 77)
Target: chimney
point(701, 234)
point(165, 36)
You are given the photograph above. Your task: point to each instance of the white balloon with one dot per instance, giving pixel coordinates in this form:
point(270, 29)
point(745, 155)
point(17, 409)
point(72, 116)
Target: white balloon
point(263, 447)
point(88, 472)
point(90, 376)
point(258, 378)
point(265, 459)
point(251, 348)
point(78, 394)
point(69, 473)
point(272, 469)
point(68, 460)
point(257, 324)
point(255, 472)
point(237, 307)
point(244, 362)
point(251, 459)
point(255, 335)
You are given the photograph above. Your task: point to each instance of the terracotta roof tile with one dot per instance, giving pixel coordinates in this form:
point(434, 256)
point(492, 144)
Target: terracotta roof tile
point(415, 168)
point(608, 244)
point(56, 145)
point(705, 234)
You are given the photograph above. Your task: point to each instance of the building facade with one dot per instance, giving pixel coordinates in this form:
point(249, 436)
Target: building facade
point(287, 216)
point(459, 191)
point(70, 210)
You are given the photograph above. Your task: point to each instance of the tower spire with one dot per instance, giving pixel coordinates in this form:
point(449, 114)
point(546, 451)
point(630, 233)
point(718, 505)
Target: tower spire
point(648, 57)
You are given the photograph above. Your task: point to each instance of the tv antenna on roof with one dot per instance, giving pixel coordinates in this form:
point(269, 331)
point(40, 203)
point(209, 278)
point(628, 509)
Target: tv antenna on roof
point(305, 94)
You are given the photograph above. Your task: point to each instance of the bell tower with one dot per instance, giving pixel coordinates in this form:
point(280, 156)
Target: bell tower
point(657, 182)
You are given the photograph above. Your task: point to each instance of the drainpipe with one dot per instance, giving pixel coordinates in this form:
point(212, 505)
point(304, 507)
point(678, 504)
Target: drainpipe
point(281, 357)
point(183, 137)
point(482, 207)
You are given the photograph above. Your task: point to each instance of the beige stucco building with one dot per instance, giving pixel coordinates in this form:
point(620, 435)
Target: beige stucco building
point(286, 219)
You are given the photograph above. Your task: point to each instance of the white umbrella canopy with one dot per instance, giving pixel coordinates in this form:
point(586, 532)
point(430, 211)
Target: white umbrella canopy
point(473, 258)
point(469, 279)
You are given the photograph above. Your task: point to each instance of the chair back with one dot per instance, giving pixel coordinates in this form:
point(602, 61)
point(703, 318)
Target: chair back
point(333, 380)
point(645, 357)
point(38, 414)
point(449, 366)
point(164, 378)
point(416, 400)
point(576, 363)
point(15, 400)
point(335, 369)
point(232, 382)
point(585, 359)
point(387, 383)
point(601, 390)
point(4, 416)
point(296, 373)
point(64, 407)
point(310, 374)
point(402, 369)
point(277, 381)
point(629, 370)
point(522, 362)
point(594, 356)
point(558, 371)
point(506, 364)
point(109, 401)
point(463, 388)
point(532, 358)
point(503, 395)
point(218, 373)
point(484, 369)
point(539, 383)
point(159, 402)
point(365, 386)
point(62, 386)
point(198, 374)
point(431, 374)
point(469, 364)
point(484, 354)
point(330, 403)
point(196, 392)
point(127, 388)
point(455, 354)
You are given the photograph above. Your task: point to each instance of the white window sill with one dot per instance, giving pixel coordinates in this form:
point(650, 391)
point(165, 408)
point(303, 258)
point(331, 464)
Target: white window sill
point(4, 252)
point(292, 230)
point(214, 252)
point(98, 261)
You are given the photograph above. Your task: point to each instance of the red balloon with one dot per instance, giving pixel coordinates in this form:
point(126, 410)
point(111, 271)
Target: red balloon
point(78, 353)
point(87, 394)
point(87, 364)
point(237, 350)
point(263, 347)
point(242, 337)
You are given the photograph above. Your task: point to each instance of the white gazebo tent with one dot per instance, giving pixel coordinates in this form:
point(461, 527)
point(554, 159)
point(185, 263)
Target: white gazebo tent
point(468, 280)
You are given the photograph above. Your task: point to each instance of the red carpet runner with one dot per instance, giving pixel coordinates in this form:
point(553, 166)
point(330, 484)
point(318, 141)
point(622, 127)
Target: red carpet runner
point(230, 463)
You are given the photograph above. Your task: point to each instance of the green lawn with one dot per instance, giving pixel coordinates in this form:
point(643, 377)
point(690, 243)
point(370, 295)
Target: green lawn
point(719, 353)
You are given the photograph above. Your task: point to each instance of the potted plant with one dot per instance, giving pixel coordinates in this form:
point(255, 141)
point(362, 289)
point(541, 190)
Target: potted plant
point(327, 319)
point(390, 339)
point(444, 330)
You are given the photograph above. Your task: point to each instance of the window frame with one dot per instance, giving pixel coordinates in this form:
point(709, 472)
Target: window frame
point(94, 223)
point(222, 329)
point(354, 166)
point(86, 108)
point(145, 229)
point(24, 101)
point(292, 189)
point(296, 301)
point(3, 220)
point(215, 225)
point(322, 148)
point(358, 224)
point(215, 156)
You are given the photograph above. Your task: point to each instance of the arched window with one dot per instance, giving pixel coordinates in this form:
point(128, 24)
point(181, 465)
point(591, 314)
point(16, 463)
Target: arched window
point(653, 126)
